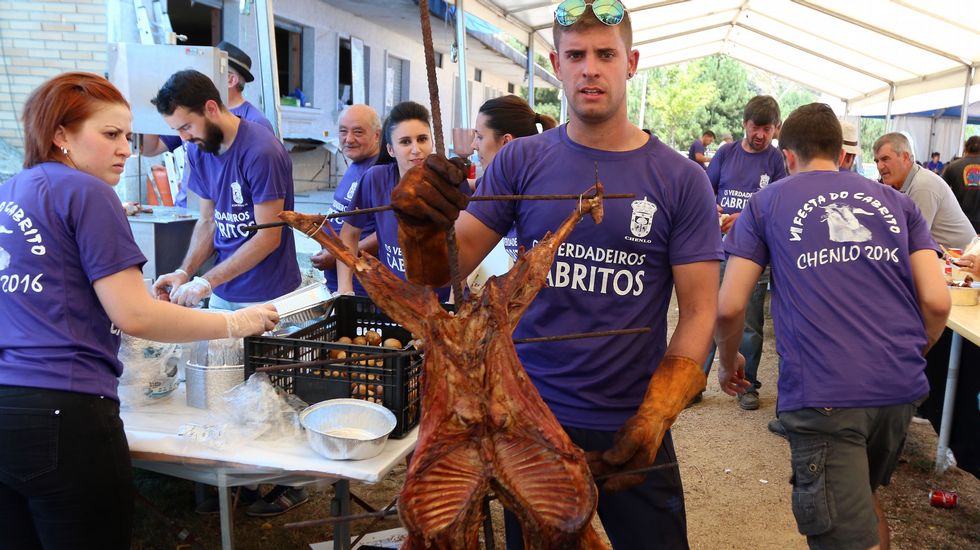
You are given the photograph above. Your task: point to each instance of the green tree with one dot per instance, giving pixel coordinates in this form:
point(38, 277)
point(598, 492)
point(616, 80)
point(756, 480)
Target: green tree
point(871, 130)
point(733, 90)
point(792, 98)
point(676, 101)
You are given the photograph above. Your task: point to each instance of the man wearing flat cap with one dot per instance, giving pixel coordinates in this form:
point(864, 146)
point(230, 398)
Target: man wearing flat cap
point(239, 72)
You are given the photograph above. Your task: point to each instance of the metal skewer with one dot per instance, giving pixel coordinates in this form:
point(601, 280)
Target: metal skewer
point(482, 198)
point(391, 510)
point(636, 471)
point(348, 361)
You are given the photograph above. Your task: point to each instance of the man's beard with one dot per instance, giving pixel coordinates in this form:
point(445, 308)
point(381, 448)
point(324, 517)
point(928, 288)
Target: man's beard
point(213, 136)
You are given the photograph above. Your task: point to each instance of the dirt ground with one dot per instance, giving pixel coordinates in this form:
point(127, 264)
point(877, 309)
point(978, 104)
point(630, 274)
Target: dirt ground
point(736, 481)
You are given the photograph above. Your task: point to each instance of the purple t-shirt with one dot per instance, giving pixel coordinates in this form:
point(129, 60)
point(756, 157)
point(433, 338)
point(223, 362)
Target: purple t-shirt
point(847, 320)
point(375, 190)
point(60, 230)
point(736, 174)
point(614, 275)
point(341, 203)
point(697, 148)
point(245, 111)
point(255, 169)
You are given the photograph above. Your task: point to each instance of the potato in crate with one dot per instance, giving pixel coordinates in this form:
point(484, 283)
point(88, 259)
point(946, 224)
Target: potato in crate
point(338, 358)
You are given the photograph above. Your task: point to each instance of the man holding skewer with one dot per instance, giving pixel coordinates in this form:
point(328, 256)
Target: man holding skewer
point(615, 396)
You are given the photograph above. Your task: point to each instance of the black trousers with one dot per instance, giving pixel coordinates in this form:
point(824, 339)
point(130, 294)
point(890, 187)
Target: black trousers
point(648, 516)
point(66, 481)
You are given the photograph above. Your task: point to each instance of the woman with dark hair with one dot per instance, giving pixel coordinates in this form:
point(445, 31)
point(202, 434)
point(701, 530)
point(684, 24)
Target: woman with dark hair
point(70, 281)
point(503, 119)
point(500, 121)
point(406, 141)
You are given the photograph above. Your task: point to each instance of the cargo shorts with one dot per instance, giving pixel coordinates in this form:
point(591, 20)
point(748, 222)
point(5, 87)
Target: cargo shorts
point(839, 458)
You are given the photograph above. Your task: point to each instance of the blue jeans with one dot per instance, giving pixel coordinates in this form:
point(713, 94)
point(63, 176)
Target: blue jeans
point(66, 480)
point(649, 516)
point(755, 319)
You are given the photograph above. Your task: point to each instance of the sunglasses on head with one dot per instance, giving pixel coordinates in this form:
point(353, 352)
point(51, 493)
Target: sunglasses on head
point(610, 12)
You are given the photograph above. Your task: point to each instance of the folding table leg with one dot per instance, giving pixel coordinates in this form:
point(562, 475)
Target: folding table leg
point(949, 400)
point(224, 507)
point(340, 506)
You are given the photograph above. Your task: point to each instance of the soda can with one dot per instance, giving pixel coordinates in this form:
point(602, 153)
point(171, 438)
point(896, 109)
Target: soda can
point(942, 499)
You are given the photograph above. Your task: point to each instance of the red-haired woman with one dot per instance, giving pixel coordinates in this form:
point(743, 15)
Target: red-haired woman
point(70, 281)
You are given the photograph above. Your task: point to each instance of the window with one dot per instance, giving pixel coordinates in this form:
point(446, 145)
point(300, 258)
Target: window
point(510, 88)
point(289, 57)
point(396, 81)
point(198, 20)
point(477, 75)
point(438, 60)
point(354, 61)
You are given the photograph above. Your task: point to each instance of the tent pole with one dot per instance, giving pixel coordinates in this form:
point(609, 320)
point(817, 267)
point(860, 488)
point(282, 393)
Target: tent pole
point(643, 101)
point(888, 114)
point(530, 69)
point(563, 115)
point(464, 95)
point(964, 112)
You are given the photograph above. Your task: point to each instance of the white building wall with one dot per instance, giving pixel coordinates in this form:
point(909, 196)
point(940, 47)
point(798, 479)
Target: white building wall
point(39, 40)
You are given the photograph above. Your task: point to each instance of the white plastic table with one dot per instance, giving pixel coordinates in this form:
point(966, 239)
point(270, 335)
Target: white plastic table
point(154, 445)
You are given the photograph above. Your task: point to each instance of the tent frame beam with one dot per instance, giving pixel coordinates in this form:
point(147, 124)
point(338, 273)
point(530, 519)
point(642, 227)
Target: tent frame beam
point(836, 43)
point(817, 54)
point(881, 31)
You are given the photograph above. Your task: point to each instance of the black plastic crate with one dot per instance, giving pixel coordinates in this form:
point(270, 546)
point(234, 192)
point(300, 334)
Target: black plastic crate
point(393, 382)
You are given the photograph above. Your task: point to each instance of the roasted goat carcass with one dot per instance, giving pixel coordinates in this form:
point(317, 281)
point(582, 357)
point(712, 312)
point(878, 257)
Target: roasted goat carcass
point(484, 427)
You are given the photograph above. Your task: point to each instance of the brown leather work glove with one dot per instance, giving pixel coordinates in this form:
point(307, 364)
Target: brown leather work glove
point(429, 194)
point(675, 382)
point(427, 201)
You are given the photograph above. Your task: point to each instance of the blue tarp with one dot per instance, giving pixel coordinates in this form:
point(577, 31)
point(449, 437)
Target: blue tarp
point(949, 112)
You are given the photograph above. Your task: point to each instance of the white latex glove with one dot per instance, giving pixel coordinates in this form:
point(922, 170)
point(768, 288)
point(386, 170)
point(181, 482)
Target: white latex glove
point(252, 320)
point(190, 294)
point(164, 286)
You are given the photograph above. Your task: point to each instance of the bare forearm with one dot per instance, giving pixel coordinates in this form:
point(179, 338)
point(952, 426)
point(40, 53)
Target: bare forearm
point(697, 302)
point(692, 337)
point(728, 334)
point(350, 236)
point(133, 310)
point(245, 258)
point(201, 247)
point(152, 145)
point(935, 323)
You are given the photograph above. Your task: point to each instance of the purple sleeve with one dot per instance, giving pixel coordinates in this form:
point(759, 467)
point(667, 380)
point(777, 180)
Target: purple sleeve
point(259, 119)
point(747, 237)
point(270, 173)
point(104, 238)
point(920, 237)
point(497, 215)
point(779, 167)
point(714, 167)
point(694, 236)
point(363, 198)
point(172, 142)
point(195, 180)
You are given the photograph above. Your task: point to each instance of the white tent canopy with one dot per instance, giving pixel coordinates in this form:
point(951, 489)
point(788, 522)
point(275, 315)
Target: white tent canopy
point(863, 52)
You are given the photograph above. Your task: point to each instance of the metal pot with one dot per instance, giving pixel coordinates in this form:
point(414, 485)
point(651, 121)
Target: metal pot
point(347, 429)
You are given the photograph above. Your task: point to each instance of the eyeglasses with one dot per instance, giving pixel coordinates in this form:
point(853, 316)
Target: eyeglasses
point(610, 12)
